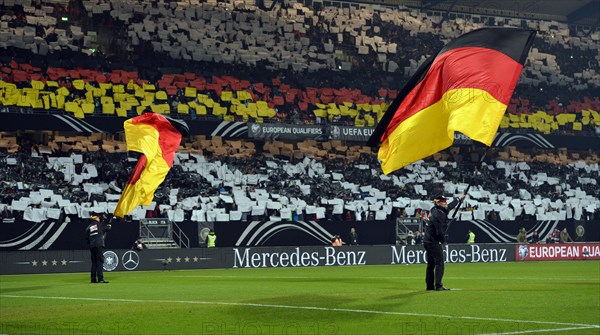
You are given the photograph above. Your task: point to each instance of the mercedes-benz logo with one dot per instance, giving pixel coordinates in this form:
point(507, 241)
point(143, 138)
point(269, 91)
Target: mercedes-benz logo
point(130, 260)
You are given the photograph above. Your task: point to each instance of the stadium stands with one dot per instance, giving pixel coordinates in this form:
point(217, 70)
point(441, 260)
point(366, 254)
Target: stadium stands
point(122, 93)
point(290, 40)
point(220, 180)
point(231, 61)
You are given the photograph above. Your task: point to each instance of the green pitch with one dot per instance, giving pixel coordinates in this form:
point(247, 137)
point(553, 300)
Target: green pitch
point(498, 298)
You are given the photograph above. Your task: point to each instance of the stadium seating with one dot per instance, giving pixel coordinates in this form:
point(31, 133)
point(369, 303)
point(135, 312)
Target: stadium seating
point(300, 39)
point(238, 180)
point(34, 26)
point(122, 93)
point(232, 61)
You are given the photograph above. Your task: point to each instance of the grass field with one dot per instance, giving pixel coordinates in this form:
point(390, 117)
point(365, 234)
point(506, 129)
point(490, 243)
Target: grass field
point(493, 298)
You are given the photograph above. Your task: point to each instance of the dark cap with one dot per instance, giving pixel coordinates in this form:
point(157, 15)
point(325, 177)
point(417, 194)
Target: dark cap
point(439, 198)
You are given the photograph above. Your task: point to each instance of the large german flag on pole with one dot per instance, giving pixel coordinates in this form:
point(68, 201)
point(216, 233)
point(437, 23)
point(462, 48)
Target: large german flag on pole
point(465, 87)
point(157, 138)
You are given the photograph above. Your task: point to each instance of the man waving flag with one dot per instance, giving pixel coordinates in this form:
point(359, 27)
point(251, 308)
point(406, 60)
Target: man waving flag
point(465, 87)
point(157, 138)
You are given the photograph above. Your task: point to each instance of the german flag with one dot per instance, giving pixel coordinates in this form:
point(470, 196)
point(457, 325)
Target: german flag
point(465, 87)
point(157, 138)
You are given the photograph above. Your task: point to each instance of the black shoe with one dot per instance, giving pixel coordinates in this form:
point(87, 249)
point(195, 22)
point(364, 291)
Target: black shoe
point(442, 288)
point(103, 282)
point(94, 282)
point(430, 289)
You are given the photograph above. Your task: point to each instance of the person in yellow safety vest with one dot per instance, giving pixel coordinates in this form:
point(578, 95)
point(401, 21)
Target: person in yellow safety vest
point(211, 239)
point(471, 237)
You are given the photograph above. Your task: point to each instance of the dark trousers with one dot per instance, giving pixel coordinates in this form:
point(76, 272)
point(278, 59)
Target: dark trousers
point(97, 264)
point(435, 265)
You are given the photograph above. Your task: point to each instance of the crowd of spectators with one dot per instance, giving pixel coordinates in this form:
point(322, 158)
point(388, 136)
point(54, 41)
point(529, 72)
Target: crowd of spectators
point(40, 182)
point(294, 63)
point(370, 51)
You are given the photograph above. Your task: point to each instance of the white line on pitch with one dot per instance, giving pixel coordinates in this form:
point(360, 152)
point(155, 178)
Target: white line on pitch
point(389, 277)
point(311, 308)
point(541, 330)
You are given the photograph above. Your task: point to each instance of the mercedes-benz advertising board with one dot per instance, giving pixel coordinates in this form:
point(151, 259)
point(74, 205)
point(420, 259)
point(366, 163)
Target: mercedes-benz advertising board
point(14, 262)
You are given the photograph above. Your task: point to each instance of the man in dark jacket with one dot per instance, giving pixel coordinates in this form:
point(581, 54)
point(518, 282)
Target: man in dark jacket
point(95, 234)
point(353, 236)
point(435, 236)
